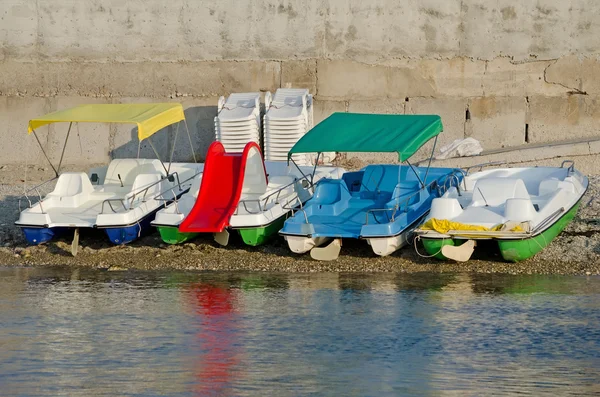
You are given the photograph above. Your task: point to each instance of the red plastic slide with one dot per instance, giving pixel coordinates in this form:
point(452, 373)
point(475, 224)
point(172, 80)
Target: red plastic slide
point(220, 190)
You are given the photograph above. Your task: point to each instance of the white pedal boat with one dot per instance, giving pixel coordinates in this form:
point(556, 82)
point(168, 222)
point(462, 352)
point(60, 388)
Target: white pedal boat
point(120, 198)
point(523, 209)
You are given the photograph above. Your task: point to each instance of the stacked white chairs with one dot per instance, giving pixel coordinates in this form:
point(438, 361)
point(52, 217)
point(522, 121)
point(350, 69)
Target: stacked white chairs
point(238, 121)
point(289, 115)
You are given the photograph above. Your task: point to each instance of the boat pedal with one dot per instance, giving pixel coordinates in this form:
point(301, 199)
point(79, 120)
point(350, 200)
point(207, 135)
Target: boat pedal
point(459, 253)
point(222, 238)
point(327, 253)
point(75, 243)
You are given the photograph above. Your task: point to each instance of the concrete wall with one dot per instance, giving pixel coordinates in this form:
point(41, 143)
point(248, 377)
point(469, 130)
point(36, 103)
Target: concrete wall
point(505, 72)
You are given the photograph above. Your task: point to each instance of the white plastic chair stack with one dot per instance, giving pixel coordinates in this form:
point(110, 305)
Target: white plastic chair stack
point(238, 121)
point(289, 114)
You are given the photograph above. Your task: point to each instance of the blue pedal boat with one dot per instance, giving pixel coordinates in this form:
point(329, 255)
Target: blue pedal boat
point(381, 203)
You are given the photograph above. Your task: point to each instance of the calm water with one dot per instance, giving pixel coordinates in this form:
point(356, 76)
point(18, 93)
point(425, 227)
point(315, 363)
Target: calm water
point(87, 333)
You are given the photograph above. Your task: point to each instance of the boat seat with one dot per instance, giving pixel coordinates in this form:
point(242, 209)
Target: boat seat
point(129, 169)
point(495, 191)
point(279, 187)
point(402, 191)
point(279, 182)
point(72, 189)
point(255, 180)
point(141, 182)
point(195, 188)
point(551, 185)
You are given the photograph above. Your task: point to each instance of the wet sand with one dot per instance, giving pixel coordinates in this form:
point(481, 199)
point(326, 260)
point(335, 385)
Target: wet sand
point(575, 251)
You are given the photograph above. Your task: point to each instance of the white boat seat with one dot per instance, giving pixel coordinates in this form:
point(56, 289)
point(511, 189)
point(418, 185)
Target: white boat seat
point(72, 183)
point(495, 191)
point(195, 188)
point(71, 189)
point(129, 169)
point(143, 181)
point(551, 185)
point(255, 180)
point(279, 182)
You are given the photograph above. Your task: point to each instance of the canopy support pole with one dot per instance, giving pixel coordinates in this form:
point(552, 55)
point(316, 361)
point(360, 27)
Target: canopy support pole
point(157, 156)
point(173, 148)
point(65, 147)
point(431, 157)
point(312, 178)
point(303, 174)
point(415, 171)
point(44, 152)
point(190, 139)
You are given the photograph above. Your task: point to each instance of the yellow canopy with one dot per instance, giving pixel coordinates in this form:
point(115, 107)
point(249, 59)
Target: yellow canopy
point(149, 117)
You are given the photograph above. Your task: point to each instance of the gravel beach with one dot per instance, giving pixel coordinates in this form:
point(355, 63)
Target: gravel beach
point(575, 251)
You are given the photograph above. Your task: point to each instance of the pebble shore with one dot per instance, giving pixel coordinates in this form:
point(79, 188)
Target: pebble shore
point(576, 251)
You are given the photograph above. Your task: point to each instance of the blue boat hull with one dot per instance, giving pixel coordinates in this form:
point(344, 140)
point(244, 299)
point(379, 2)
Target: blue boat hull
point(40, 235)
point(126, 234)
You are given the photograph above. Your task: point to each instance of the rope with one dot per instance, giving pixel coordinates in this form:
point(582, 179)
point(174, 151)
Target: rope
point(426, 256)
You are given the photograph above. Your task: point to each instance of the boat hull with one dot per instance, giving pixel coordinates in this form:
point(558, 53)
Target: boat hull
point(126, 234)
point(255, 236)
point(512, 250)
point(388, 245)
point(172, 235)
point(302, 244)
point(40, 235)
point(518, 250)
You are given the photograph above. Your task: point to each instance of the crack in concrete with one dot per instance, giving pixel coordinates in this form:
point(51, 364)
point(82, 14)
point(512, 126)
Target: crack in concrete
point(572, 91)
point(316, 79)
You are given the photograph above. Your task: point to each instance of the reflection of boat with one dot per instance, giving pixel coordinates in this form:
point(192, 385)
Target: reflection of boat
point(215, 307)
point(118, 198)
point(522, 209)
point(241, 192)
point(380, 203)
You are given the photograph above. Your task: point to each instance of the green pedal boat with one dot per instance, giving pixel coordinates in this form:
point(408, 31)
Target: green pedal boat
point(522, 209)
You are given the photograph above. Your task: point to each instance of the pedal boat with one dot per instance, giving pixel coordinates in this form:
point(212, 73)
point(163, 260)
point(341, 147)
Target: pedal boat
point(120, 197)
point(381, 203)
point(270, 190)
point(522, 209)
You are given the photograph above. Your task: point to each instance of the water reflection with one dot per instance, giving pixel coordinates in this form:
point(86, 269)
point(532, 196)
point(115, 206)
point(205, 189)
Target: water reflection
point(217, 337)
point(82, 332)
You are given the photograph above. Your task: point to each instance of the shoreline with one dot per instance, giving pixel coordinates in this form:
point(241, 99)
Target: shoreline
point(576, 251)
point(149, 253)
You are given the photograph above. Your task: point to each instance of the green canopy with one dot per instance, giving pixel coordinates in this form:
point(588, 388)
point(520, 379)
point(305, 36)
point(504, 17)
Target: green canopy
point(357, 132)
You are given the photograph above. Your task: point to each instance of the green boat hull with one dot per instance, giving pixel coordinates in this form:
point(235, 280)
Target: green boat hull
point(255, 236)
point(519, 250)
point(172, 235)
point(511, 250)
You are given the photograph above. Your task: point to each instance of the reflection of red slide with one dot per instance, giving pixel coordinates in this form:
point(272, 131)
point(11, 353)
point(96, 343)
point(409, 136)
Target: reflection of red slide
point(220, 190)
point(217, 339)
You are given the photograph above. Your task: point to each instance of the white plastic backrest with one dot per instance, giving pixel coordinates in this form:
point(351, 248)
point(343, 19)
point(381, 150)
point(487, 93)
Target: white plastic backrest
point(255, 181)
point(519, 210)
point(195, 188)
point(495, 191)
point(72, 183)
point(551, 185)
point(445, 208)
point(129, 169)
point(143, 181)
point(281, 181)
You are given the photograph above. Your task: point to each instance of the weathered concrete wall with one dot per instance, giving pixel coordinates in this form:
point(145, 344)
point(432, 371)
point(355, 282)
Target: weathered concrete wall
point(505, 72)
